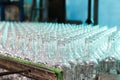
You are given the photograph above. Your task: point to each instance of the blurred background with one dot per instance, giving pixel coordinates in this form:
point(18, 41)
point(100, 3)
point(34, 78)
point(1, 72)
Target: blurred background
point(103, 12)
point(108, 11)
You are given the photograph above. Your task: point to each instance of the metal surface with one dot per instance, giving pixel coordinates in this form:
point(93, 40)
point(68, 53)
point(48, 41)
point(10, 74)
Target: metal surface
point(89, 20)
point(96, 4)
point(108, 77)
